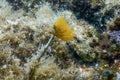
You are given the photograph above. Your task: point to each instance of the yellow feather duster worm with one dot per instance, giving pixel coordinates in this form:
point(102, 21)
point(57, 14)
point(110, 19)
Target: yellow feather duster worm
point(62, 30)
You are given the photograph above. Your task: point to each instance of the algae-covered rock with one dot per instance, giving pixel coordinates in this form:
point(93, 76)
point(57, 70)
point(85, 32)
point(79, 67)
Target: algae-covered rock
point(27, 25)
point(87, 57)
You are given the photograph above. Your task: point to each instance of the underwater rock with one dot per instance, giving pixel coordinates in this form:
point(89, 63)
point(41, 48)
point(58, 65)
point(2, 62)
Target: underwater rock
point(85, 10)
point(80, 48)
point(107, 75)
point(115, 30)
point(17, 4)
point(24, 33)
point(118, 76)
point(86, 74)
point(116, 25)
point(117, 22)
point(94, 12)
point(89, 57)
point(115, 35)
